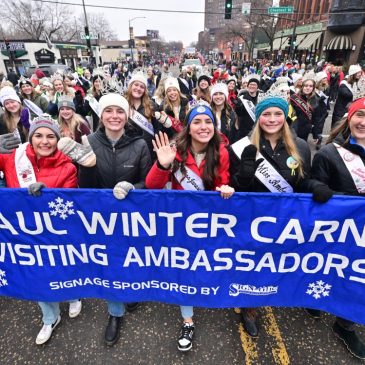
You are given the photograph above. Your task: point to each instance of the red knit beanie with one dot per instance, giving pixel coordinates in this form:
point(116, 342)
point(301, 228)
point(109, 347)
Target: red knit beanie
point(355, 106)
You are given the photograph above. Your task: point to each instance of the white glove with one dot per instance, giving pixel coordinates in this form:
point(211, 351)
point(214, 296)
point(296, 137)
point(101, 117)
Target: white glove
point(164, 119)
point(121, 190)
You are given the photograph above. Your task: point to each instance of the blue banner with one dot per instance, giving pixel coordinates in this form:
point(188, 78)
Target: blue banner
point(185, 248)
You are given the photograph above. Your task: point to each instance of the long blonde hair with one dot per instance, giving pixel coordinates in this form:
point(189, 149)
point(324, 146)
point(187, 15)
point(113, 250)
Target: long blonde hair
point(72, 126)
point(286, 136)
point(145, 101)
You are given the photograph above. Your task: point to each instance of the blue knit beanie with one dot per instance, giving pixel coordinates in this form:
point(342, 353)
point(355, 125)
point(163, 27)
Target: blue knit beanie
point(272, 102)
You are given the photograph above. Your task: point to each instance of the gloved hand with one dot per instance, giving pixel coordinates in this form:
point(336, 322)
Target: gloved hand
point(8, 142)
point(35, 188)
point(248, 165)
point(82, 154)
point(322, 193)
point(163, 118)
point(121, 190)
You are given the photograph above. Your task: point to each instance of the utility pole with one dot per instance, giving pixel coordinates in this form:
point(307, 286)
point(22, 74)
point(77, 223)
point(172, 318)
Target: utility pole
point(87, 36)
point(294, 36)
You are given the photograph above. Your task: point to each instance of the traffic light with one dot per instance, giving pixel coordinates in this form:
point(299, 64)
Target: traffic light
point(131, 43)
point(290, 40)
point(228, 9)
point(294, 40)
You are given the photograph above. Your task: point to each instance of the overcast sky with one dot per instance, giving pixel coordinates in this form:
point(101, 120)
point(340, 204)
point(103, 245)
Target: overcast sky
point(172, 26)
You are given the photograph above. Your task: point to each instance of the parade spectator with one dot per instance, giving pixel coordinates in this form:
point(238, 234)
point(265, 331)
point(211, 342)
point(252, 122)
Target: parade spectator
point(345, 93)
point(13, 77)
point(199, 153)
point(116, 141)
point(337, 165)
point(44, 166)
point(202, 90)
point(60, 88)
point(151, 85)
point(252, 89)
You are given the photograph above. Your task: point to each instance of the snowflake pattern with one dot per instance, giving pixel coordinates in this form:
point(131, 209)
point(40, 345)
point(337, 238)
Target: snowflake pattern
point(61, 208)
point(3, 281)
point(319, 289)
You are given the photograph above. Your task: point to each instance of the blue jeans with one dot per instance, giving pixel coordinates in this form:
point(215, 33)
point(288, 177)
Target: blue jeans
point(51, 311)
point(116, 309)
point(186, 311)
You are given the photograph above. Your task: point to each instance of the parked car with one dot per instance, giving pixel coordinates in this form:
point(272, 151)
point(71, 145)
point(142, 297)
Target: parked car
point(48, 69)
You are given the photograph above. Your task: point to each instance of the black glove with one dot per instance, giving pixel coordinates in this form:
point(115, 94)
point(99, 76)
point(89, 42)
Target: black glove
point(35, 188)
point(248, 165)
point(322, 193)
point(8, 142)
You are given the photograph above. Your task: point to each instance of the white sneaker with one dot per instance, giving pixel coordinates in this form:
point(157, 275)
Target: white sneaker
point(46, 332)
point(75, 308)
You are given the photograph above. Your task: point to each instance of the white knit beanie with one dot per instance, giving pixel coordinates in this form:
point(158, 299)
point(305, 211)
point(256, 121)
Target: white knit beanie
point(320, 76)
point(354, 69)
point(219, 87)
point(8, 93)
point(138, 76)
point(113, 100)
point(172, 82)
point(295, 77)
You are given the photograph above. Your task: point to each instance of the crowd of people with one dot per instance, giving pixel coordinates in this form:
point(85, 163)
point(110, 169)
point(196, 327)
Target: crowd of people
point(123, 130)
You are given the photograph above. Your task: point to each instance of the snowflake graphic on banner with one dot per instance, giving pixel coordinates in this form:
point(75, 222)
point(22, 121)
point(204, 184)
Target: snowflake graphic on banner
point(61, 208)
point(3, 280)
point(319, 289)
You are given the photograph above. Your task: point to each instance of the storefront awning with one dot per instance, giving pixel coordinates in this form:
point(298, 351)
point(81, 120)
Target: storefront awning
point(340, 42)
point(278, 43)
point(309, 41)
point(299, 40)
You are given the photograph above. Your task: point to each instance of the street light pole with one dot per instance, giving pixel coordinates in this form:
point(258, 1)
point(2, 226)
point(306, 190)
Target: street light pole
point(131, 35)
point(87, 35)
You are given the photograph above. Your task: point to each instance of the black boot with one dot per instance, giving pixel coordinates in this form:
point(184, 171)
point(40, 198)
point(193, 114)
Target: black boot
point(112, 330)
point(314, 313)
point(248, 316)
point(352, 342)
point(130, 307)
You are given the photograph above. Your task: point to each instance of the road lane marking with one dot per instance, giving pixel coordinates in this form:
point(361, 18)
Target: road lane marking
point(278, 348)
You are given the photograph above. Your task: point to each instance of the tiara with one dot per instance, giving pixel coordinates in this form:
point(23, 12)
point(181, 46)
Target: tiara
point(310, 75)
point(358, 89)
point(98, 72)
point(112, 85)
point(273, 92)
point(56, 76)
point(23, 80)
point(193, 103)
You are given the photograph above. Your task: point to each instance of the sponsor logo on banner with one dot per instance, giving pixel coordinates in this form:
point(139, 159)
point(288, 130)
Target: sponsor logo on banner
point(236, 289)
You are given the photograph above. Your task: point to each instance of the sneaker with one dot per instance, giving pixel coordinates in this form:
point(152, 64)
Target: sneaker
point(130, 307)
point(75, 308)
point(314, 313)
point(351, 340)
point(46, 332)
point(185, 341)
point(249, 321)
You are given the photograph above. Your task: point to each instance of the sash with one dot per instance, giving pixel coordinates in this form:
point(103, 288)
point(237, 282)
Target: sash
point(191, 181)
point(321, 94)
point(142, 122)
point(24, 168)
point(303, 105)
point(355, 166)
point(250, 107)
point(33, 107)
point(94, 104)
point(265, 172)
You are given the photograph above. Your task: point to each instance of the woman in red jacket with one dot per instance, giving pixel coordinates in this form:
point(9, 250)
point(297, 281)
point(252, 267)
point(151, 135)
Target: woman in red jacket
point(35, 165)
point(198, 162)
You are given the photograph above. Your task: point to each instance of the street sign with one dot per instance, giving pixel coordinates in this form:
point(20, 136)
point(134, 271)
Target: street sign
point(281, 10)
point(92, 36)
point(246, 8)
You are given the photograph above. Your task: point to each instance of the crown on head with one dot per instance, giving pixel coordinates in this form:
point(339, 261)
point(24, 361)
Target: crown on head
point(98, 72)
point(193, 103)
point(23, 80)
point(112, 85)
point(310, 75)
point(43, 117)
point(273, 92)
point(56, 76)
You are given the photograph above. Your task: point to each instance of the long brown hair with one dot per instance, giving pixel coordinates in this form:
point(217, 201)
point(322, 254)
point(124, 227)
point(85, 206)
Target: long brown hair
point(9, 121)
point(227, 110)
point(146, 103)
point(313, 92)
point(341, 127)
point(287, 138)
point(212, 155)
point(32, 96)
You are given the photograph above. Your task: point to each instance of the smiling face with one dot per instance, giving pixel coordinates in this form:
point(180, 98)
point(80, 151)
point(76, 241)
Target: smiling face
point(26, 89)
point(218, 99)
point(66, 113)
point(44, 142)
point(114, 119)
point(252, 87)
point(58, 86)
point(201, 130)
point(12, 106)
point(308, 87)
point(271, 121)
point(203, 84)
point(357, 126)
point(172, 93)
point(137, 89)
point(231, 85)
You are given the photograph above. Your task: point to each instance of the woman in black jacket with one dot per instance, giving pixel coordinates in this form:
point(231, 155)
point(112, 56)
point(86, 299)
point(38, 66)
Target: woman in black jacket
point(122, 163)
point(272, 159)
point(341, 166)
